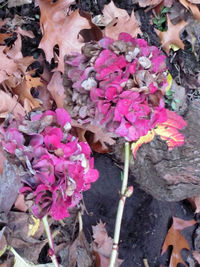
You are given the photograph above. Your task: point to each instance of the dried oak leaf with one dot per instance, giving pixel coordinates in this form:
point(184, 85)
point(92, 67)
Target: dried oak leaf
point(194, 1)
point(196, 255)
point(56, 89)
point(118, 20)
point(177, 240)
point(102, 245)
point(100, 137)
point(23, 90)
point(62, 27)
point(10, 104)
point(80, 253)
point(195, 201)
point(3, 242)
point(193, 8)
point(28, 247)
point(171, 36)
point(10, 184)
point(144, 3)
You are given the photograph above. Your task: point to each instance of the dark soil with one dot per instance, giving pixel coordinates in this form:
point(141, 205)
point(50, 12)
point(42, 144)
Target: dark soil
point(145, 220)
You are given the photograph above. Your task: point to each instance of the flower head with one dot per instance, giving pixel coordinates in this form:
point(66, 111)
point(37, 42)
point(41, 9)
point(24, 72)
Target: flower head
point(122, 84)
point(57, 168)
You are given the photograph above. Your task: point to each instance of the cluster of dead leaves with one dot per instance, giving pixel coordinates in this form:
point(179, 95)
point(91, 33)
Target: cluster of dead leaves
point(98, 253)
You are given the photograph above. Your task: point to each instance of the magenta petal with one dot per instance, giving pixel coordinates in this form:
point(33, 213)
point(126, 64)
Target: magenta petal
point(126, 37)
point(123, 106)
point(85, 148)
point(12, 134)
point(59, 208)
point(110, 92)
point(52, 141)
point(122, 130)
point(36, 140)
point(91, 176)
point(62, 116)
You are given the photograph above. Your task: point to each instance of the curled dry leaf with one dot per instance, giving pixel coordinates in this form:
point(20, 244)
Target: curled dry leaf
point(102, 245)
point(56, 89)
point(177, 240)
point(63, 27)
point(23, 90)
point(196, 255)
point(10, 104)
point(29, 246)
point(195, 201)
point(80, 253)
point(194, 1)
point(191, 7)
point(7, 180)
point(144, 3)
point(101, 137)
point(171, 36)
point(118, 20)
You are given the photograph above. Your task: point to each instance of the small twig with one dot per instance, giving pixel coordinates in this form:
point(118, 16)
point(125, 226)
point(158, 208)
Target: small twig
point(120, 209)
point(50, 241)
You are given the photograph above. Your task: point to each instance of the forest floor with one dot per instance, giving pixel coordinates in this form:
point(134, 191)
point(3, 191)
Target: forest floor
point(146, 220)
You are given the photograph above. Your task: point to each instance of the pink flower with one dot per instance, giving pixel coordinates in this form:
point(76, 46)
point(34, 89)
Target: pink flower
point(127, 79)
point(59, 167)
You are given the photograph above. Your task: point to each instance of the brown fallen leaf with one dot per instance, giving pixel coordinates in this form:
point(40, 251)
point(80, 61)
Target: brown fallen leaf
point(56, 89)
point(20, 203)
point(7, 180)
point(177, 240)
point(195, 201)
point(171, 36)
point(62, 27)
point(23, 90)
point(119, 21)
point(80, 253)
point(2, 159)
point(4, 36)
point(196, 255)
point(144, 3)
point(28, 247)
point(102, 245)
point(193, 8)
point(100, 136)
point(10, 104)
point(194, 1)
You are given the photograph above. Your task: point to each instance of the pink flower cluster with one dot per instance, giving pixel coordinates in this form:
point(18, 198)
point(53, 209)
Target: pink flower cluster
point(57, 168)
point(125, 81)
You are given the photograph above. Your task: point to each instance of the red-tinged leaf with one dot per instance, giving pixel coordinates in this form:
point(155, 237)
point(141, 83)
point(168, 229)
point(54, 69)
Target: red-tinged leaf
point(170, 135)
point(177, 240)
point(168, 130)
point(142, 140)
point(174, 120)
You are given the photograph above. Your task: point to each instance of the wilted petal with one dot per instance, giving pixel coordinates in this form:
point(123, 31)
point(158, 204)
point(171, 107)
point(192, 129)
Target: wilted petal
point(62, 116)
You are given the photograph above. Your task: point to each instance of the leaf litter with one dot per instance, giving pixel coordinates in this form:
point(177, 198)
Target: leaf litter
point(17, 82)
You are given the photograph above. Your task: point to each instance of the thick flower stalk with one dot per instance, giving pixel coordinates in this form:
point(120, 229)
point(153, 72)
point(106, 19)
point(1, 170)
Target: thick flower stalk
point(55, 167)
point(117, 84)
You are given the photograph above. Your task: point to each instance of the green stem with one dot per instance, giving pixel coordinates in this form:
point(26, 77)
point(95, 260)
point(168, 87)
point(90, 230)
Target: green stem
point(120, 209)
point(50, 241)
